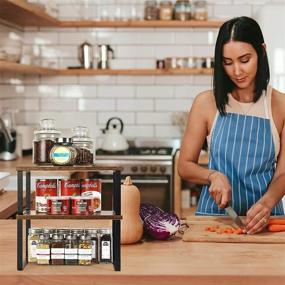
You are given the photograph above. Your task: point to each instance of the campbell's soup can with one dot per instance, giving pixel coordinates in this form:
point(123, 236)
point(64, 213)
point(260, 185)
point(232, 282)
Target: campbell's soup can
point(92, 188)
point(82, 205)
point(44, 189)
point(69, 187)
point(59, 205)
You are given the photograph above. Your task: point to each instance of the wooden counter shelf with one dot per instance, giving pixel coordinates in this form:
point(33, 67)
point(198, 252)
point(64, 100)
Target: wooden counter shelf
point(103, 215)
point(28, 216)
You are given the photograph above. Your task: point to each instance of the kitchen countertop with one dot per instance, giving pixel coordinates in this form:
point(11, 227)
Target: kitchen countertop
point(168, 262)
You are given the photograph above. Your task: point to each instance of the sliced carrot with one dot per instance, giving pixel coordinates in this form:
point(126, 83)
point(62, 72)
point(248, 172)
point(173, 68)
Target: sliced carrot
point(276, 228)
point(276, 221)
point(238, 231)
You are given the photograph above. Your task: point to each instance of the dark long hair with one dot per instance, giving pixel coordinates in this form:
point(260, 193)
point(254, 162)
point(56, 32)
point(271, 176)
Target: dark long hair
point(243, 29)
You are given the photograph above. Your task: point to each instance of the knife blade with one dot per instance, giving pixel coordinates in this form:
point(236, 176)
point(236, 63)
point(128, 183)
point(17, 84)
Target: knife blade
point(232, 213)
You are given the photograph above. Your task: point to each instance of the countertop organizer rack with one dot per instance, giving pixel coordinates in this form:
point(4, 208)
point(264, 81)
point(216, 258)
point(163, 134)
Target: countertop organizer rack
point(28, 215)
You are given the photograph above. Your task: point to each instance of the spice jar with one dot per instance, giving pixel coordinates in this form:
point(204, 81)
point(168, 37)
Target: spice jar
point(182, 10)
point(43, 249)
point(57, 250)
point(44, 140)
point(84, 146)
point(105, 245)
point(84, 250)
point(200, 10)
point(63, 153)
point(71, 250)
point(95, 245)
point(166, 10)
point(33, 240)
point(150, 10)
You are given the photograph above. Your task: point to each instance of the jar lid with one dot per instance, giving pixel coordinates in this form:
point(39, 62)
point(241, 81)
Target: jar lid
point(85, 237)
point(64, 140)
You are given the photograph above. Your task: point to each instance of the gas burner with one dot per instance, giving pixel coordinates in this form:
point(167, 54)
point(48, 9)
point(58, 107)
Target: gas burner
point(138, 151)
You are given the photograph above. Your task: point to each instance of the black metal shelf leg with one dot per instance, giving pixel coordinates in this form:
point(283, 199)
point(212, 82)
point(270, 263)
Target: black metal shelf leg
point(116, 224)
point(28, 208)
point(20, 222)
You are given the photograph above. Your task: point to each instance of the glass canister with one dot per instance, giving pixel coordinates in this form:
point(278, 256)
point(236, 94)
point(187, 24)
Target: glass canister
point(182, 10)
point(105, 245)
point(71, 250)
point(150, 10)
point(84, 146)
point(84, 250)
point(166, 10)
point(63, 152)
point(33, 240)
point(57, 249)
point(200, 10)
point(43, 249)
point(44, 140)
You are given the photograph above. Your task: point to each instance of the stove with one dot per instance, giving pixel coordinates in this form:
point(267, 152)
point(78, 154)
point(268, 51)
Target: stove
point(150, 165)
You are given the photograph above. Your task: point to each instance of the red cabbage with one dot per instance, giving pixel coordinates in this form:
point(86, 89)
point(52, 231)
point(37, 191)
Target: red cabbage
point(157, 223)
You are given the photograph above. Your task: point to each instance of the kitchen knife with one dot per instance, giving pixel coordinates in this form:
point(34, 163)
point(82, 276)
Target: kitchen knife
point(232, 213)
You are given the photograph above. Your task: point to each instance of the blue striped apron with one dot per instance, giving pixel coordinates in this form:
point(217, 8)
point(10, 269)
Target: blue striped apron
point(242, 148)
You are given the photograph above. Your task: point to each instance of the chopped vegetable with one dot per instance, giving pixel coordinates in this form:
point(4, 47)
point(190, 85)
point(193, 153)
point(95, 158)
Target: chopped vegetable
point(276, 228)
point(225, 230)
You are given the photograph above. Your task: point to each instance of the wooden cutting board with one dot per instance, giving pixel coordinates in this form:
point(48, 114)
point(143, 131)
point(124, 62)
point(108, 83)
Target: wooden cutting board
point(197, 232)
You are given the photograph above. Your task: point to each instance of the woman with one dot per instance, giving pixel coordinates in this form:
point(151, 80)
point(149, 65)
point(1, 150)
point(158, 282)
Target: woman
point(243, 120)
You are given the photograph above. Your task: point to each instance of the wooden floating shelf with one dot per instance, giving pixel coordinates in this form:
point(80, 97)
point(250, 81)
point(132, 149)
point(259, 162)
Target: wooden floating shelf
point(103, 215)
point(24, 14)
point(141, 24)
point(69, 168)
point(137, 72)
point(32, 69)
point(26, 69)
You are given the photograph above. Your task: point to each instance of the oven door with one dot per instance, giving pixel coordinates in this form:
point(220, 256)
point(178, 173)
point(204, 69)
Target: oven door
point(153, 189)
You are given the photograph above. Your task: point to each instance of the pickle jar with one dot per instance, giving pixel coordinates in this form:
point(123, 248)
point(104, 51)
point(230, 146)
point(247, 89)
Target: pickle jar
point(44, 140)
point(84, 250)
point(63, 152)
point(84, 146)
point(43, 250)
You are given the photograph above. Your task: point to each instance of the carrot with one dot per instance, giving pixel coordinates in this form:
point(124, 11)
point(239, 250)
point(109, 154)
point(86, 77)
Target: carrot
point(238, 231)
point(224, 230)
point(276, 228)
point(276, 221)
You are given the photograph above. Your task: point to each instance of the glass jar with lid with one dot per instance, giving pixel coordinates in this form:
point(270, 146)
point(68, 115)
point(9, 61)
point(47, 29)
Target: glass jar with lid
point(63, 152)
point(43, 249)
point(33, 240)
point(84, 250)
point(182, 10)
point(57, 249)
point(166, 10)
point(150, 10)
point(71, 250)
point(44, 140)
point(200, 10)
point(84, 146)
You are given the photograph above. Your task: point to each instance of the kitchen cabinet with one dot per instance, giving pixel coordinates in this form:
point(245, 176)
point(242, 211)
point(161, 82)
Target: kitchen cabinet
point(23, 14)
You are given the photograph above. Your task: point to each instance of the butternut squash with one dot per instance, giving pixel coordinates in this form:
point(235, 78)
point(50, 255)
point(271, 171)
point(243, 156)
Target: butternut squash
point(131, 224)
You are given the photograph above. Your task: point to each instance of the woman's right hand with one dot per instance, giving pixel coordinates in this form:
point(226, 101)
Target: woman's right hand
point(220, 189)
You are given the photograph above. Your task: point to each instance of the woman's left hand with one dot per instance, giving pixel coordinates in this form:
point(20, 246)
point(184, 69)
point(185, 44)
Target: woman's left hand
point(257, 218)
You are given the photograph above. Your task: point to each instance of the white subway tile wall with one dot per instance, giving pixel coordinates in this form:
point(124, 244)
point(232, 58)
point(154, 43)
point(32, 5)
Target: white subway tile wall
point(145, 103)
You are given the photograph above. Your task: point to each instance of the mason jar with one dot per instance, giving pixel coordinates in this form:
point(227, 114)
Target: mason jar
point(182, 10)
point(44, 140)
point(150, 10)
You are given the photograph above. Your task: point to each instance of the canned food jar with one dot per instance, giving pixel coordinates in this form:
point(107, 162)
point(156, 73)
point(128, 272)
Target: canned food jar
point(44, 189)
point(69, 187)
point(59, 205)
point(82, 205)
point(92, 188)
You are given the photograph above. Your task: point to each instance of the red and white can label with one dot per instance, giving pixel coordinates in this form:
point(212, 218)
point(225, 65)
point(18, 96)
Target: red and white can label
point(82, 205)
point(58, 205)
point(44, 189)
point(69, 187)
point(92, 188)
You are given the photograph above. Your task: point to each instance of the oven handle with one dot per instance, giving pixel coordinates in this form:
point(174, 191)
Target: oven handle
point(139, 181)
